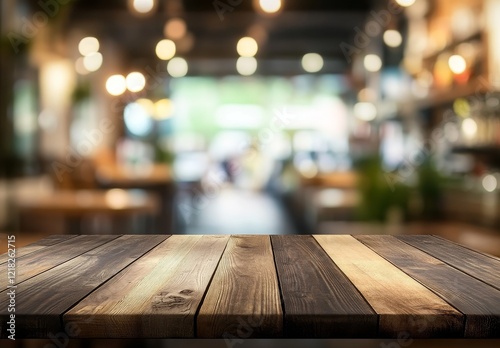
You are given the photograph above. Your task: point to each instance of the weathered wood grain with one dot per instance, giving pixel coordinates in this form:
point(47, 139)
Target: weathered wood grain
point(41, 300)
point(475, 264)
point(319, 300)
point(40, 244)
point(230, 287)
point(41, 260)
point(478, 301)
point(157, 296)
point(403, 304)
point(243, 298)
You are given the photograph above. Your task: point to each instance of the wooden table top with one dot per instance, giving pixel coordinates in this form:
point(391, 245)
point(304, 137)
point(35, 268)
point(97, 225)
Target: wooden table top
point(80, 202)
point(156, 174)
point(236, 287)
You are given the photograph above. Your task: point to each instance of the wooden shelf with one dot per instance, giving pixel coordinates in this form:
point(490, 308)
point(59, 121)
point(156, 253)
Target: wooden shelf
point(441, 96)
point(478, 150)
point(475, 36)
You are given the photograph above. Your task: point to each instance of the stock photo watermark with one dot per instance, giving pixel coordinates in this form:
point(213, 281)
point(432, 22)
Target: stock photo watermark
point(428, 147)
point(375, 25)
point(11, 287)
point(242, 330)
point(30, 27)
point(70, 330)
point(223, 6)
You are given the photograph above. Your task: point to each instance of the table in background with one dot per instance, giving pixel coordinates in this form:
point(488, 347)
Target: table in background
point(156, 179)
point(235, 287)
point(74, 205)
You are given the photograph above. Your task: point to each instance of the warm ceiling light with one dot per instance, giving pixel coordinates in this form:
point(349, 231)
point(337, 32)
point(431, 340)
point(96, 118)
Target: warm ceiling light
point(393, 38)
point(177, 67)
point(270, 6)
point(457, 64)
point(365, 111)
point(88, 45)
point(246, 66)
point(372, 62)
point(247, 47)
point(143, 6)
point(80, 67)
point(312, 62)
point(135, 81)
point(405, 3)
point(116, 85)
point(93, 61)
point(175, 29)
point(163, 109)
point(165, 49)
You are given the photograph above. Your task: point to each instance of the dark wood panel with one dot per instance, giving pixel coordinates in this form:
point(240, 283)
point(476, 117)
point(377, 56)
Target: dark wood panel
point(40, 244)
point(243, 299)
point(319, 300)
point(157, 296)
point(44, 259)
point(469, 261)
point(398, 299)
point(477, 300)
point(41, 300)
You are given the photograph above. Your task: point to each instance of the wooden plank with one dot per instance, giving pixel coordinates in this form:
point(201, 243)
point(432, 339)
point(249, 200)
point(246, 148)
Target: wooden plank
point(40, 244)
point(243, 298)
point(41, 260)
point(399, 300)
point(319, 300)
point(478, 301)
point(479, 266)
point(157, 296)
point(41, 300)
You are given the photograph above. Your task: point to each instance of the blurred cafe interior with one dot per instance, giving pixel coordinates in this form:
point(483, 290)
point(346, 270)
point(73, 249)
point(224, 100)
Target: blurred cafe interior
point(250, 117)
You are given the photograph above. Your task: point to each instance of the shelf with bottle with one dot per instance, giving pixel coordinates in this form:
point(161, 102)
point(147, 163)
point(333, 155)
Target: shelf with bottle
point(449, 54)
point(479, 122)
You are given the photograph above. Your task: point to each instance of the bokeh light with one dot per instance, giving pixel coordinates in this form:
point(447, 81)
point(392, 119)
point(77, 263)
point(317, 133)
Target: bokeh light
point(365, 111)
point(116, 85)
point(165, 49)
point(177, 67)
point(405, 3)
point(135, 81)
point(312, 62)
point(372, 62)
point(175, 29)
point(457, 64)
point(270, 6)
point(393, 38)
point(246, 66)
point(93, 61)
point(247, 47)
